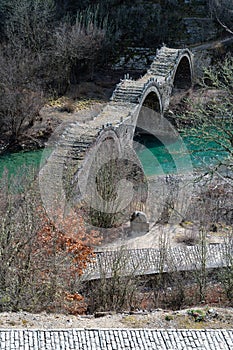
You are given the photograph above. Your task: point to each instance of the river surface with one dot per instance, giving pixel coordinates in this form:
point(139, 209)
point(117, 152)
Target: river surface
point(174, 157)
point(14, 161)
point(177, 156)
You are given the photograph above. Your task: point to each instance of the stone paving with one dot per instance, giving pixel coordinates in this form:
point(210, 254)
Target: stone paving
point(154, 260)
point(114, 339)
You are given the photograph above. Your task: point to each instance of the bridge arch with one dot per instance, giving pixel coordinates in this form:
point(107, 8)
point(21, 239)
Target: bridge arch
point(183, 73)
point(149, 109)
point(152, 99)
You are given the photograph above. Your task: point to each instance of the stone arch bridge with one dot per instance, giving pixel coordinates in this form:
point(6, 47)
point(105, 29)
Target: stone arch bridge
point(171, 71)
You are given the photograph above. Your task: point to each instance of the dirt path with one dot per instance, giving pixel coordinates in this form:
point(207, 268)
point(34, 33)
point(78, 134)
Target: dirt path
point(174, 235)
point(188, 318)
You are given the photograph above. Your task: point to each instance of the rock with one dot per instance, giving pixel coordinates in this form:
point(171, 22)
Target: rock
point(212, 313)
point(138, 223)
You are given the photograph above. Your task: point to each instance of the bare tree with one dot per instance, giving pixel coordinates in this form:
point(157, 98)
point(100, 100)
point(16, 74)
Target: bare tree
point(21, 98)
point(77, 44)
point(223, 12)
point(38, 56)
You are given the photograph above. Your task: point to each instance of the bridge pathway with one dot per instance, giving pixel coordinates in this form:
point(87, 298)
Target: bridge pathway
point(149, 261)
point(116, 339)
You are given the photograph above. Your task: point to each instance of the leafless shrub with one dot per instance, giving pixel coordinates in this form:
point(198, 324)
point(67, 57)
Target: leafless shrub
point(17, 232)
point(226, 273)
point(40, 264)
point(189, 237)
point(117, 286)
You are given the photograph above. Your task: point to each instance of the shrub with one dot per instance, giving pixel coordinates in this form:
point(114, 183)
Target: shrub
point(41, 261)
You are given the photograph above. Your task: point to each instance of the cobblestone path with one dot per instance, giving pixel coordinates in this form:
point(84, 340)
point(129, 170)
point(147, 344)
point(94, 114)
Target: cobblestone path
point(116, 339)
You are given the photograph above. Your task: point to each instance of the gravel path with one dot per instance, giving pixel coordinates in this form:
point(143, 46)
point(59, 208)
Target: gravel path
point(214, 318)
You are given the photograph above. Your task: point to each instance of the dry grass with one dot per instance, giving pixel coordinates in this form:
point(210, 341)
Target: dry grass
point(67, 104)
point(212, 318)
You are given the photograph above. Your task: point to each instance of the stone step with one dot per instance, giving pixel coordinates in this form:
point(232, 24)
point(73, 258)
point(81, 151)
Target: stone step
point(131, 100)
point(166, 58)
point(126, 99)
point(167, 54)
point(167, 50)
point(129, 88)
point(74, 143)
point(123, 89)
point(131, 92)
point(126, 95)
point(161, 64)
point(126, 90)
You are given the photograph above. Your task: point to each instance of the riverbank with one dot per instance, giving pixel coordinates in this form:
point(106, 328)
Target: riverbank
point(51, 116)
point(80, 103)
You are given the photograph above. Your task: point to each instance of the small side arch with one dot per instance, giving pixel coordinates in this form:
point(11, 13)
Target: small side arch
point(183, 73)
point(149, 111)
point(152, 99)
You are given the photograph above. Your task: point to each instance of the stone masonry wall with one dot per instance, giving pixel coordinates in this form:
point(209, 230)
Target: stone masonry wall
point(146, 25)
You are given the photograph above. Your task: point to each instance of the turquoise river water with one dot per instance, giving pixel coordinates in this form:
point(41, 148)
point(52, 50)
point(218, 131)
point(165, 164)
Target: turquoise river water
point(155, 157)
